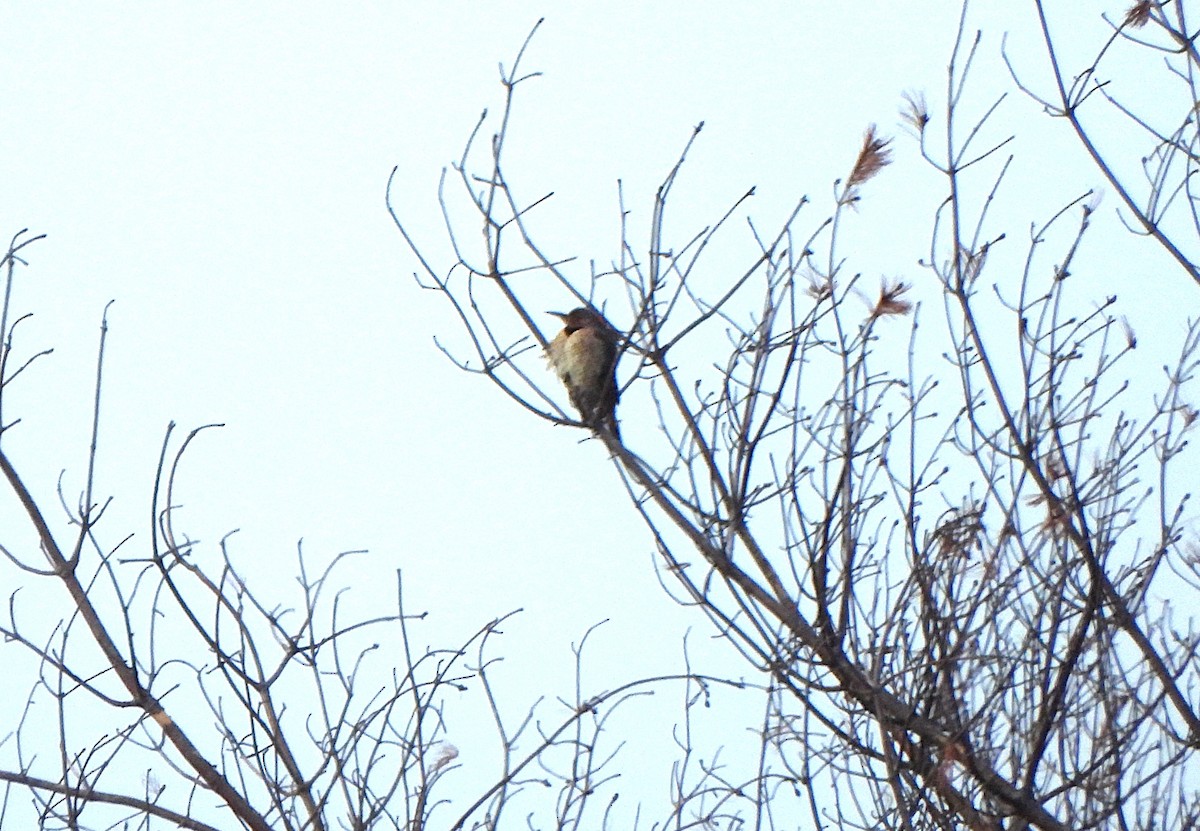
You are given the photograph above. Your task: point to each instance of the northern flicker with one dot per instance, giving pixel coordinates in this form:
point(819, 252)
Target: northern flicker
point(584, 354)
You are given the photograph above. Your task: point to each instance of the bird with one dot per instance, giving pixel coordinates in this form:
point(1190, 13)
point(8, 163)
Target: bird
point(584, 355)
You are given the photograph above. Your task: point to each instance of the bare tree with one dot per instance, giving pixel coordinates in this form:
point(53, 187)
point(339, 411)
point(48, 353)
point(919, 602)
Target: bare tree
point(949, 551)
point(1144, 72)
point(168, 691)
point(944, 548)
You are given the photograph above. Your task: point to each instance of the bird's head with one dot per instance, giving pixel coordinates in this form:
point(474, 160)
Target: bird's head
point(582, 318)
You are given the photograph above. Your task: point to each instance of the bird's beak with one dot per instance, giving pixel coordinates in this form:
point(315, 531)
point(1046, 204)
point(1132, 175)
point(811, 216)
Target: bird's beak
point(559, 315)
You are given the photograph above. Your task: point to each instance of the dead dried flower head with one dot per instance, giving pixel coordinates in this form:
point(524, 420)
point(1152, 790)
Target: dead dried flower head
point(1058, 516)
point(1130, 335)
point(1055, 467)
point(1058, 511)
point(447, 753)
point(891, 299)
point(1139, 14)
point(819, 288)
point(915, 113)
point(872, 158)
point(960, 532)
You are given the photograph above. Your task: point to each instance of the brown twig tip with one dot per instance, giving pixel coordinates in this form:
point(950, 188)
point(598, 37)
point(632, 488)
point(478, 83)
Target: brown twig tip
point(891, 299)
point(873, 157)
point(1139, 14)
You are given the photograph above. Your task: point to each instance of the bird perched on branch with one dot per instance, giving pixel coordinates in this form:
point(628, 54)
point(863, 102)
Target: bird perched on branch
point(584, 354)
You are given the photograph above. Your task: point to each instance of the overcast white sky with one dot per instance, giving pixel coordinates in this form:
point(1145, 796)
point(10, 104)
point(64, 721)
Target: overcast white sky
point(218, 169)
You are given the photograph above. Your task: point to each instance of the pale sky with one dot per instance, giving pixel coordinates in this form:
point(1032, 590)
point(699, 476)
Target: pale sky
point(219, 169)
